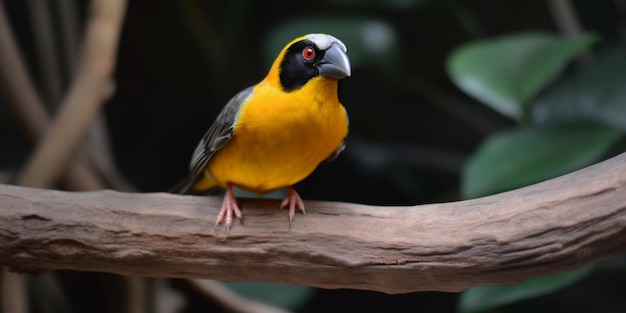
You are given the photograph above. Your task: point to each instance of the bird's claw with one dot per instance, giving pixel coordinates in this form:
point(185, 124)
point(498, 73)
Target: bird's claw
point(229, 208)
point(292, 201)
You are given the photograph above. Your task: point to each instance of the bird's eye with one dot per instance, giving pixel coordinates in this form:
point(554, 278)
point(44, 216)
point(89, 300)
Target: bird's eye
point(308, 53)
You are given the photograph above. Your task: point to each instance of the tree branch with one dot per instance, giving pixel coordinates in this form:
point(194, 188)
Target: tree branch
point(24, 100)
point(554, 226)
point(83, 100)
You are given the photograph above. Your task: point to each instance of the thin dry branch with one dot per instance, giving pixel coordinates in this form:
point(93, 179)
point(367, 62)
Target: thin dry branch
point(554, 226)
point(46, 51)
point(28, 107)
point(84, 98)
point(565, 17)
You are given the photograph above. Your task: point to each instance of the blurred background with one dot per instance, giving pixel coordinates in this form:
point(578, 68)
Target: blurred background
point(448, 100)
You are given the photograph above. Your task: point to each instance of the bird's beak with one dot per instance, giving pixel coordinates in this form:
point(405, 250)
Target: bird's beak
point(335, 63)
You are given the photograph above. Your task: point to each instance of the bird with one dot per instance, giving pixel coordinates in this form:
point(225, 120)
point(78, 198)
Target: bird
point(274, 134)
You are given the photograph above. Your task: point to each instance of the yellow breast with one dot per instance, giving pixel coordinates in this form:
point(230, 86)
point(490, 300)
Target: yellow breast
point(280, 137)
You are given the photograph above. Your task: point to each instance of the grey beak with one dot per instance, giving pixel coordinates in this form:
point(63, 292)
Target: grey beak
point(335, 63)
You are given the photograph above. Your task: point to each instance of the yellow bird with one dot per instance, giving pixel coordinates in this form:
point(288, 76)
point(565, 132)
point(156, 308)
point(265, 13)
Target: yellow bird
point(275, 133)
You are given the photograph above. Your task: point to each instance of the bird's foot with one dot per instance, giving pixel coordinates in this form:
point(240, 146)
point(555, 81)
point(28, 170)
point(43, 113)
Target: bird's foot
point(229, 208)
point(292, 201)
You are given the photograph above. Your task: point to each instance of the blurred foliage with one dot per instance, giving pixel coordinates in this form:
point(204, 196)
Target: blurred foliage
point(527, 155)
point(565, 140)
point(289, 297)
point(573, 124)
point(534, 108)
point(595, 92)
point(481, 299)
point(506, 73)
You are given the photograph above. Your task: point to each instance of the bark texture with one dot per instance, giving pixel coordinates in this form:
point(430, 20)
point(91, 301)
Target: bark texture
point(554, 226)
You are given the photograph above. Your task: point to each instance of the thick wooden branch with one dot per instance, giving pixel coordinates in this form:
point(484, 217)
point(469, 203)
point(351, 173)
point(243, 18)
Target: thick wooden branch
point(549, 227)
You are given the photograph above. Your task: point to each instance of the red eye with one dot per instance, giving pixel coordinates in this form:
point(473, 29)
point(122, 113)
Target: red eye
point(308, 53)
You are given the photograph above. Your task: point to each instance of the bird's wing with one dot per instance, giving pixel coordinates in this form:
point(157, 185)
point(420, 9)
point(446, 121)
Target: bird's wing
point(342, 145)
point(218, 135)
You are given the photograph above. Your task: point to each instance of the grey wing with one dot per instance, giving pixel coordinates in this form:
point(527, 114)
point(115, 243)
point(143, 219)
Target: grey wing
point(342, 145)
point(218, 135)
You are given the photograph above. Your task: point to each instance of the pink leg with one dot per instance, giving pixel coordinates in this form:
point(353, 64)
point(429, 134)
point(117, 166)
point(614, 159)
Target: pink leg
point(292, 201)
point(229, 207)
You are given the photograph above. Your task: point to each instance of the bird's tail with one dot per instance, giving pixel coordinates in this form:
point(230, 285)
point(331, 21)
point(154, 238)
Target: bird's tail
point(193, 185)
point(183, 186)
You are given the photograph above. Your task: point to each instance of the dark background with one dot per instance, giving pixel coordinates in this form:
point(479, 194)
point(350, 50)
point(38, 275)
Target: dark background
point(411, 129)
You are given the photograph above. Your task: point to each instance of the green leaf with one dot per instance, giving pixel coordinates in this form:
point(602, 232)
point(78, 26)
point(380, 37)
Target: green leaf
point(480, 299)
point(528, 155)
point(506, 73)
point(281, 295)
point(370, 42)
point(596, 92)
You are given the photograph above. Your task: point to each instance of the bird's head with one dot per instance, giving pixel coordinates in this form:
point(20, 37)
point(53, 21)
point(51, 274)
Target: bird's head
point(308, 57)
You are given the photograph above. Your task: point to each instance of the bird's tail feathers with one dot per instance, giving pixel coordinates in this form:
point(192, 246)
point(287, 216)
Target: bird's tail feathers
point(192, 185)
point(183, 186)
